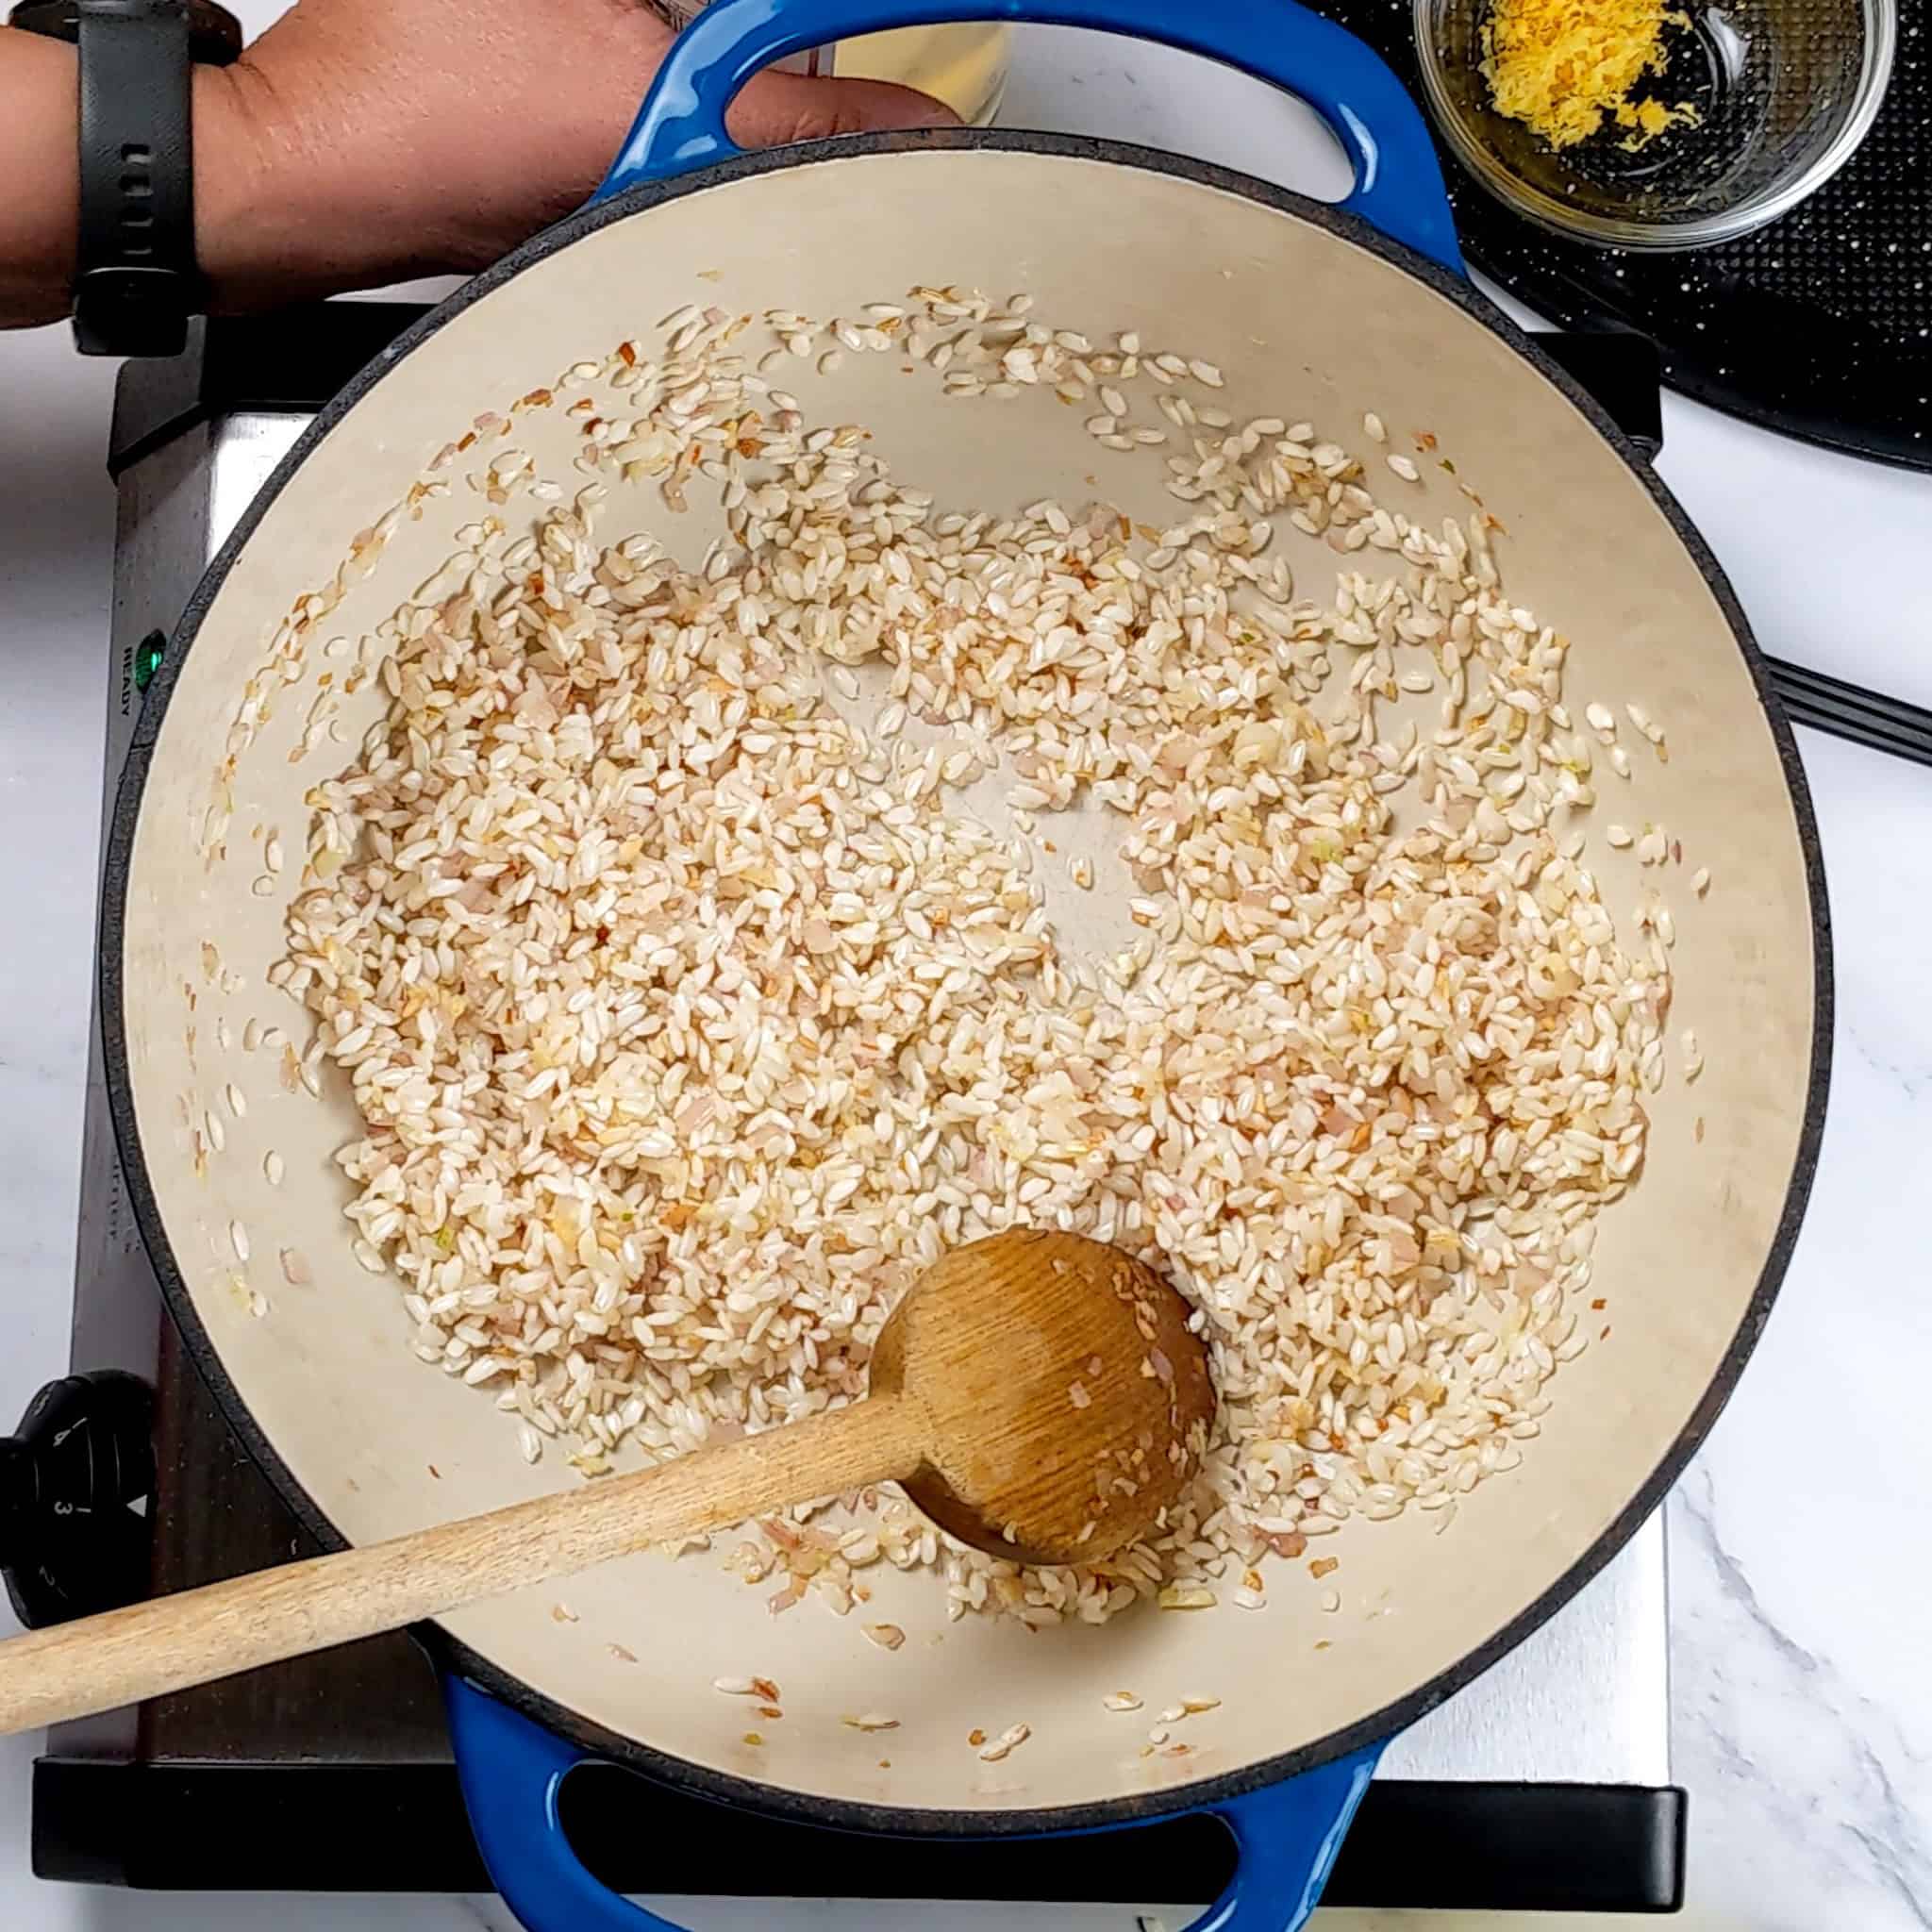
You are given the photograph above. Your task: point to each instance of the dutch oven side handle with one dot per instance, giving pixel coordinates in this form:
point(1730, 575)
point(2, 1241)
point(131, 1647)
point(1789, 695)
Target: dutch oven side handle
point(1398, 182)
point(1286, 1836)
point(511, 1771)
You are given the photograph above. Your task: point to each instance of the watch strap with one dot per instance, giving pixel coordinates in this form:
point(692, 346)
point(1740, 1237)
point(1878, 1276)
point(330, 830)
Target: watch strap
point(135, 283)
point(215, 35)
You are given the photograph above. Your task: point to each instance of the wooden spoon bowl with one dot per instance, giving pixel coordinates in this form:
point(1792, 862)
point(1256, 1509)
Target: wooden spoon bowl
point(1063, 1404)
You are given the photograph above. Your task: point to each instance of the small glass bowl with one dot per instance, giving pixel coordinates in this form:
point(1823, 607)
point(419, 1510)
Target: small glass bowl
point(1785, 90)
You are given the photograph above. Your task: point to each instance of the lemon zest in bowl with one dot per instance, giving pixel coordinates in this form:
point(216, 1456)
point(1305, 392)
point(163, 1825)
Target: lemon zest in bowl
point(1561, 67)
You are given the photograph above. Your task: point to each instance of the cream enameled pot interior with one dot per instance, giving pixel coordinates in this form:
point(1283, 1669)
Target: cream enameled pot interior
point(1303, 323)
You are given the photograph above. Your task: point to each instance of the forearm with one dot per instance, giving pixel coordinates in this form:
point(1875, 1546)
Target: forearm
point(287, 207)
point(37, 163)
point(360, 141)
point(271, 221)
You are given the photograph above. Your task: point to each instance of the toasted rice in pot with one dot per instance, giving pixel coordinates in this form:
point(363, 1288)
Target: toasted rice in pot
point(690, 1017)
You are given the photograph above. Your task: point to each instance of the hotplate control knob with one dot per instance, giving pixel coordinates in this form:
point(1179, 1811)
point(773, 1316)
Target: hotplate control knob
point(75, 1484)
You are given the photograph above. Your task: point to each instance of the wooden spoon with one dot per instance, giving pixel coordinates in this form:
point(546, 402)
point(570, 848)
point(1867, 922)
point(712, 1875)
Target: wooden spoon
point(1038, 1394)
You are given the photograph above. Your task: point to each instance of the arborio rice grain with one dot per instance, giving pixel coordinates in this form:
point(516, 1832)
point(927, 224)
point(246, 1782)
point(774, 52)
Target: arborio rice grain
point(689, 1022)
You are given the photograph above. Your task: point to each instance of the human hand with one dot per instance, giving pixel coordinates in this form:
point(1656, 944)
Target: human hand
point(365, 141)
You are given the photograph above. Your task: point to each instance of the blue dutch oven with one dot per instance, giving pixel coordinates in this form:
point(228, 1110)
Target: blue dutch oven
point(1323, 310)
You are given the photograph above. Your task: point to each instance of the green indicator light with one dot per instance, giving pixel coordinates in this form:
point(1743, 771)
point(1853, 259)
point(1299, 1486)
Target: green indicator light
point(147, 657)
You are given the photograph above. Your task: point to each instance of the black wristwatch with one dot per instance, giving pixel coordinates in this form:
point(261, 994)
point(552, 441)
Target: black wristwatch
point(135, 281)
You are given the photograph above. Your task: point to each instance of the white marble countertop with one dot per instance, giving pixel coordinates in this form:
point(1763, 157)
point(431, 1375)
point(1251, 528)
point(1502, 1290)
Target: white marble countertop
point(1803, 1700)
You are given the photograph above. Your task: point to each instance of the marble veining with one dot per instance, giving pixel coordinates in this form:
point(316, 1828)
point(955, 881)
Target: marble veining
point(1802, 1699)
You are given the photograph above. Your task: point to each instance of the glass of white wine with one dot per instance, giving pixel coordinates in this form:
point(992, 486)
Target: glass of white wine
point(963, 65)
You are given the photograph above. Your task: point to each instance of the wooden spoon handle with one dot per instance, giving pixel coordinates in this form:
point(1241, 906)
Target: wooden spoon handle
point(147, 1650)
